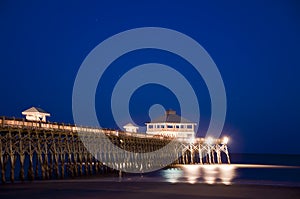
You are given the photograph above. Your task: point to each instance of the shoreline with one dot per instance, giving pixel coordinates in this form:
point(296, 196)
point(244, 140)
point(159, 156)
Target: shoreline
point(151, 180)
point(92, 188)
point(156, 180)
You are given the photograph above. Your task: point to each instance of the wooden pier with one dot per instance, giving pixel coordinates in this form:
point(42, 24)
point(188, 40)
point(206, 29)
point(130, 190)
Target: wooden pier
point(42, 150)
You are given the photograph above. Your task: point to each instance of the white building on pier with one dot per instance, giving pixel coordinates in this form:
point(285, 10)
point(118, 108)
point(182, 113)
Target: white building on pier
point(131, 128)
point(172, 125)
point(35, 114)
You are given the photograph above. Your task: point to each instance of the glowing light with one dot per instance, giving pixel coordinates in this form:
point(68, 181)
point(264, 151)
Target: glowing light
point(192, 140)
point(225, 140)
point(227, 174)
point(172, 175)
point(209, 140)
point(191, 173)
point(209, 174)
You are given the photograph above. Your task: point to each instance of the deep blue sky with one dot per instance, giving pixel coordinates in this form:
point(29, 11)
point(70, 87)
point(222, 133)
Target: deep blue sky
point(255, 45)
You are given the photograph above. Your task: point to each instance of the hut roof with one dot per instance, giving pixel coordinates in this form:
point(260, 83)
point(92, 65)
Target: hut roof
point(35, 110)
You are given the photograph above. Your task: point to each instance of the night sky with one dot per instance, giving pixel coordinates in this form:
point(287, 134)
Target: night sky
point(255, 45)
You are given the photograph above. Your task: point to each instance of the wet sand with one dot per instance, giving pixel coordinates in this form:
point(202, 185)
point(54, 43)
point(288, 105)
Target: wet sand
point(63, 189)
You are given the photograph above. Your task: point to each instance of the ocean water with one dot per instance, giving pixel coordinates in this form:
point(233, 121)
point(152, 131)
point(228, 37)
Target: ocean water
point(261, 169)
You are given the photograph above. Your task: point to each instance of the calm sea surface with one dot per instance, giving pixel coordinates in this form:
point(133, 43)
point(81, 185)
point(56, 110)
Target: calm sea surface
point(283, 170)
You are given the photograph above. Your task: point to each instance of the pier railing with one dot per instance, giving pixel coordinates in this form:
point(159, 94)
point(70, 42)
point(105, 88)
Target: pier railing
point(11, 122)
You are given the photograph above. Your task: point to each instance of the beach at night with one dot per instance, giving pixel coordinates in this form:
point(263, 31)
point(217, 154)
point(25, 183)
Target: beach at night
point(149, 99)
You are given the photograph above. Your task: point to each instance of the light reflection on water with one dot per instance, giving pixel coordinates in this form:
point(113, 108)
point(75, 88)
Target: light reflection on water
point(210, 174)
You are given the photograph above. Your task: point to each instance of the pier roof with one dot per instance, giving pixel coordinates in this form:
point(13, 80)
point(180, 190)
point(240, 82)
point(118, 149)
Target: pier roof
point(35, 110)
point(130, 125)
point(170, 117)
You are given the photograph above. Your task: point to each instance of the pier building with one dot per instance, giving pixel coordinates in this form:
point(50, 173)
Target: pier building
point(35, 114)
point(172, 125)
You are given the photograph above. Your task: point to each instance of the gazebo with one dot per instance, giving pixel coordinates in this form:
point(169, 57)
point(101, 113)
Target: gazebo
point(35, 114)
point(131, 128)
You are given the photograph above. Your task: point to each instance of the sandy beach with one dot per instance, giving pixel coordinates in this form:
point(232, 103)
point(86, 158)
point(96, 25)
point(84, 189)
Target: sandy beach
point(85, 188)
